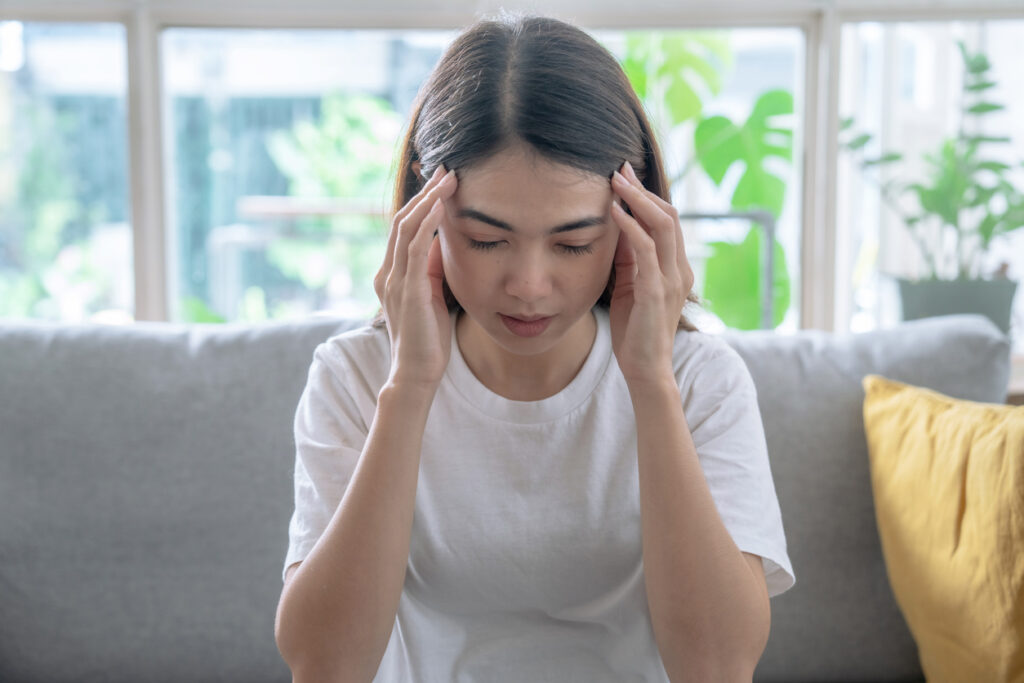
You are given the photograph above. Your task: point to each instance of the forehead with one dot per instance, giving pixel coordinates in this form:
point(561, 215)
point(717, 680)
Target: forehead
point(515, 179)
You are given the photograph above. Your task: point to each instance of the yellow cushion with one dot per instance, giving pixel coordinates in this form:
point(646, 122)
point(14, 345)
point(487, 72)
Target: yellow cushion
point(948, 483)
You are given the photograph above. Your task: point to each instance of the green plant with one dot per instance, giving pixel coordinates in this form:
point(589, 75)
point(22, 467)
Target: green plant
point(733, 271)
point(967, 199)
point(45, 228)
point(195, 310)
point(669, 72)
point(345, 154)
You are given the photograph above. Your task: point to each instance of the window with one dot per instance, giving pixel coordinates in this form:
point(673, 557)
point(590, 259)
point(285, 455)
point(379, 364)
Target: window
point(281, 167)
point(727, 105)
point(65, 239)
point(247, 234)
point(282, 157)
point(902, 84)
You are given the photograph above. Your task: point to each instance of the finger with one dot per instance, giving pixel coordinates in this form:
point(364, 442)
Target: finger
point(653, 219)
point(409, 226)
point(683, 262)
point(683, 267)
point(625, 262)
point(435, 269)
point(416, 199)
point(419, 248)
point(642, 245)
point(629, 174)
point(680, 243)
point(439, 175)
point(674, 228)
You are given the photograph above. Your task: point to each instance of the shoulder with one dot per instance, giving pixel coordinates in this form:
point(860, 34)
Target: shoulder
point(707, 361)
point(363, 342)
point(357, 356)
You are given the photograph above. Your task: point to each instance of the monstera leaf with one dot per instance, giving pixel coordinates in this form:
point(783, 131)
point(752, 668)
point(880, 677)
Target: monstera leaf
point(720, 143)
point(733, 281)
point(673, 73)
point(674, 68)
point(733, 272)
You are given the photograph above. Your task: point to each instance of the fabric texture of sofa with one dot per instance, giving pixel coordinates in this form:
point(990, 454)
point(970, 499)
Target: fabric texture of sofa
point(146, 489)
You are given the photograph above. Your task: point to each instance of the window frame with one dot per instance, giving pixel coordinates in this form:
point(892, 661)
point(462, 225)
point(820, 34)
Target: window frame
point(820, 23)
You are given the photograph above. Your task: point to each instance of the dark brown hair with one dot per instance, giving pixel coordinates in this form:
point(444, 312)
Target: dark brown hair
point(538, 81)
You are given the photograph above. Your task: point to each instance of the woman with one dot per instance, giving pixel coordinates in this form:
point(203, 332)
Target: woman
point(530, 467)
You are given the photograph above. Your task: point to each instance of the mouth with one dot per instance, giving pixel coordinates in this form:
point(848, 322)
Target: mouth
point(526, 327)
point(526, 318)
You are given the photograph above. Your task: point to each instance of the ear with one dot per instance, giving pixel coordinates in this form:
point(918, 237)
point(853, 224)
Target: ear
point(416, 169)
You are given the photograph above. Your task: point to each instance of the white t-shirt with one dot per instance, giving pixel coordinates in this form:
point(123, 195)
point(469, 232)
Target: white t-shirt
point(525, 558)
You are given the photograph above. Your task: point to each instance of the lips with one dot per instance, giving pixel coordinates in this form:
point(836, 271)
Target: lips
point(527, 318)
point(526, 327)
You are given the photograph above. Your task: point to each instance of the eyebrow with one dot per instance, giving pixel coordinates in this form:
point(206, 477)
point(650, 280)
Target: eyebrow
point(573, 225)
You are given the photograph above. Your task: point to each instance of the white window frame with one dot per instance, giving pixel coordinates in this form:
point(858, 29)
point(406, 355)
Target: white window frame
point(820, 20)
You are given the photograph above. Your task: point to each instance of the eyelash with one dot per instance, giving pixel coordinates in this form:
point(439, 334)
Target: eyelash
point(487, 246)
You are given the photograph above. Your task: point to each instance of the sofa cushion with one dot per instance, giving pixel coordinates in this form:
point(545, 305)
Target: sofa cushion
point(948, 482)
point(841, 621)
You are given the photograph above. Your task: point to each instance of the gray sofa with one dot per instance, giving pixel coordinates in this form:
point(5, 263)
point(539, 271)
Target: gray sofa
point(146, 489)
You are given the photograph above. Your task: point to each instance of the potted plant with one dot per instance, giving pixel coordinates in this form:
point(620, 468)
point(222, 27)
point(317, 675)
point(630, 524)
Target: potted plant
point(966, 201)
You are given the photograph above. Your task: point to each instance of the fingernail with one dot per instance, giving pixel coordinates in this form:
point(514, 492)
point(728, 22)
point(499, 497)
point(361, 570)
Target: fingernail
point(617, 177)
point(449, 177)
point(630, 172)
point(438, 172)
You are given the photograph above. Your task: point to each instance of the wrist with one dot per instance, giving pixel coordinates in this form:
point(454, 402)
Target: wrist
point(407, 393)
point(659, 386)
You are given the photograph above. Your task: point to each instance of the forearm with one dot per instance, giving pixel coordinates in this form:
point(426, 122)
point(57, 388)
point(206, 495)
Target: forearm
point(709, 616)
point(337, 613)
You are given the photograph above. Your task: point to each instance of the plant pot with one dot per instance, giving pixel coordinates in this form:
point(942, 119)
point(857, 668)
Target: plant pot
point(927, 298)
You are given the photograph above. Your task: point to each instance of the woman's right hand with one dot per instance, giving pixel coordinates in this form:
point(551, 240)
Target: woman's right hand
point(408, 285)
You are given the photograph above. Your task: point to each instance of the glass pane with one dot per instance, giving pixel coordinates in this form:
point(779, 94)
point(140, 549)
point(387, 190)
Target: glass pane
point(727, 105)
point(907, 91)
point(65, 238)
point(281, 173)
point(282, 158)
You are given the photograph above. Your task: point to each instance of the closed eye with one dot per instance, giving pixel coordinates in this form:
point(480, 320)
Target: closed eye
point(483, 246)
point(568, 248)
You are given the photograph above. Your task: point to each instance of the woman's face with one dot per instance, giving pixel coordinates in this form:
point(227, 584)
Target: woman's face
point(524, 237)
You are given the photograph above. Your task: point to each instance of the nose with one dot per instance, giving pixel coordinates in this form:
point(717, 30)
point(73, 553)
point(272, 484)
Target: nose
point(528, 278)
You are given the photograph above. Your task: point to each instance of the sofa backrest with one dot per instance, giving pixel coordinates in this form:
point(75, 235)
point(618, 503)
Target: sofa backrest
point(145, 492)
point(146, 489)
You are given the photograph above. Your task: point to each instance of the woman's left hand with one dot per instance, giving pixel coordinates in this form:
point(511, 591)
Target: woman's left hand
point(652, 281)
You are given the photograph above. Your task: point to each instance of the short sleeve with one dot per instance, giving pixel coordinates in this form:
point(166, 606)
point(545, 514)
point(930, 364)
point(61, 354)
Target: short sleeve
point(721, 409)
point(329, 436)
